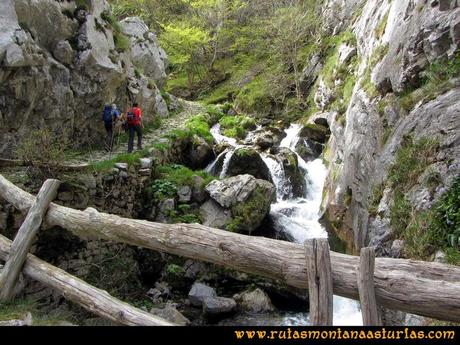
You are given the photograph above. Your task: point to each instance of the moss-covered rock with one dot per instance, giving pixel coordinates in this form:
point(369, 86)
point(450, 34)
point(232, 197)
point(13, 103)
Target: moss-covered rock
point(315, 132)
point(248, 161)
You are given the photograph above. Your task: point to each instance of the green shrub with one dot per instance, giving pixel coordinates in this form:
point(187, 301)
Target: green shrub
point(180, 175)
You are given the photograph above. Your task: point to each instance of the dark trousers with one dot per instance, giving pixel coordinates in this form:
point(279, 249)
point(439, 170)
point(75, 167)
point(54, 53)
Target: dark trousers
point(138, 130)
point(109, 138)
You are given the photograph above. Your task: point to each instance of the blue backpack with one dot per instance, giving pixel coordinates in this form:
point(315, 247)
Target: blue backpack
point(107, 115)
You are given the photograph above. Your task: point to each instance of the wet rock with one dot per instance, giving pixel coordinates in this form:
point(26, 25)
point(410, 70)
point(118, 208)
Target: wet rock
point(194, 268)
point(315, 132)
point(216, 306)
point(310, 73)
point(248, 161)
point(256, 301)
point(199, 293)
point(397, 249)
point(198, 153)
point(170, 313)
point(292, 171)
point(308, 149)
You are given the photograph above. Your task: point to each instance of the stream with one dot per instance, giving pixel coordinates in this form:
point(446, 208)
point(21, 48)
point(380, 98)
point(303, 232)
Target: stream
point(297, 217)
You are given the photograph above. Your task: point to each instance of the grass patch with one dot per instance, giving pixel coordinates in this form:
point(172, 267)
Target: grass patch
point(380, 29)
point(435, 81)
point(236, 126)
point(180, 175)
point(122, 43)
point(129, 158)
point(366, 84)
point(426, 231)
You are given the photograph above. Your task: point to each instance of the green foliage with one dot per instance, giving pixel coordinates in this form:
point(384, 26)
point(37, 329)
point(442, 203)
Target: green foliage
point(180, 175)
point(199, 126)
point(236, 126)
point(255, 96)
point(376, 196)
point(186, 46)
point(447, 213)
point(162, 189)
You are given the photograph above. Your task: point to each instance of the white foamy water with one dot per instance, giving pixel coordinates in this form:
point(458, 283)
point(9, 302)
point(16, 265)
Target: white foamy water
point(220, 139)
point(300, 219)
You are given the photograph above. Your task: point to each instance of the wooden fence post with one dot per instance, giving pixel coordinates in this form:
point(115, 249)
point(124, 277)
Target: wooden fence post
point(366, 289)
point(24, 239)
point(319, 281)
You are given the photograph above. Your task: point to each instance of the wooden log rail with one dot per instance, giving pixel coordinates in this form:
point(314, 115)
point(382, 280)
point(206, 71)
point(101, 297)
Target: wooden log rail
point(24, 239)
point(423, 288)
point(76, 290)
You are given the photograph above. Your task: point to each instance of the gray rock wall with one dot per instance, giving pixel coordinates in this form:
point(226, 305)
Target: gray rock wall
point(402, 38)
point(59, 65)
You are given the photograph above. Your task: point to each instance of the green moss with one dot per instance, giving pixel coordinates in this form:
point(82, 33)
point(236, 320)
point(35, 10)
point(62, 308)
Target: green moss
point(199, 125)
point(245, 213)
point(376, 197)
point(129, 158)
point(83, 5)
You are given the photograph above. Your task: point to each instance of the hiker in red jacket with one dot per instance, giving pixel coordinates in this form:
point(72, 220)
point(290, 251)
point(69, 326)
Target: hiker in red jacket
point(134, 118)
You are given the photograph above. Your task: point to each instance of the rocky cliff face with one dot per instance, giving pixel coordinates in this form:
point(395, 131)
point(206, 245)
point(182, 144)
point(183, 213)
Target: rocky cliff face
point(60, 62)
point(392, 98)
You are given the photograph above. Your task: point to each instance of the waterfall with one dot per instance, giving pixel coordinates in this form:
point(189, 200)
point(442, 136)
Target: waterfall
point(283, 187)
point(298, 217)
point(227, 159)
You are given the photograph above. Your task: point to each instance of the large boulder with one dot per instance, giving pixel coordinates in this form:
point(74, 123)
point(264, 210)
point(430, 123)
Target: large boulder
point(199, 292)
point(198, 154)
point(248, 161)
point(247, 198)
point(218, 306)
point(256, 301)
point(215, 216)
point(315, 132)
point(309, 149)
point(170, 313)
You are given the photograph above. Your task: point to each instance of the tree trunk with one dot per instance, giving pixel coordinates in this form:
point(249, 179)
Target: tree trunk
point(417, 287)
point(76, 290)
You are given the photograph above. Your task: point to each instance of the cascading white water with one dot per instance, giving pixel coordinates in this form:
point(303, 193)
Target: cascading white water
point(298, 217)
point(283, 188)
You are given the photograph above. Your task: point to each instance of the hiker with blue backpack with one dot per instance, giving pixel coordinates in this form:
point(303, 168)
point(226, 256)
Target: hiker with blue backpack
point(110, 116)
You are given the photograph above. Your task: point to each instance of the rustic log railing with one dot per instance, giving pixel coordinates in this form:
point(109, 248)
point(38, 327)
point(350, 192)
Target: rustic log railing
point(76, 290)
point(423, 288)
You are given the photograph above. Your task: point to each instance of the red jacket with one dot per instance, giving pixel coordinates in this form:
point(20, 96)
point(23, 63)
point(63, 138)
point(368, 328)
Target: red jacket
point(137, 116)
